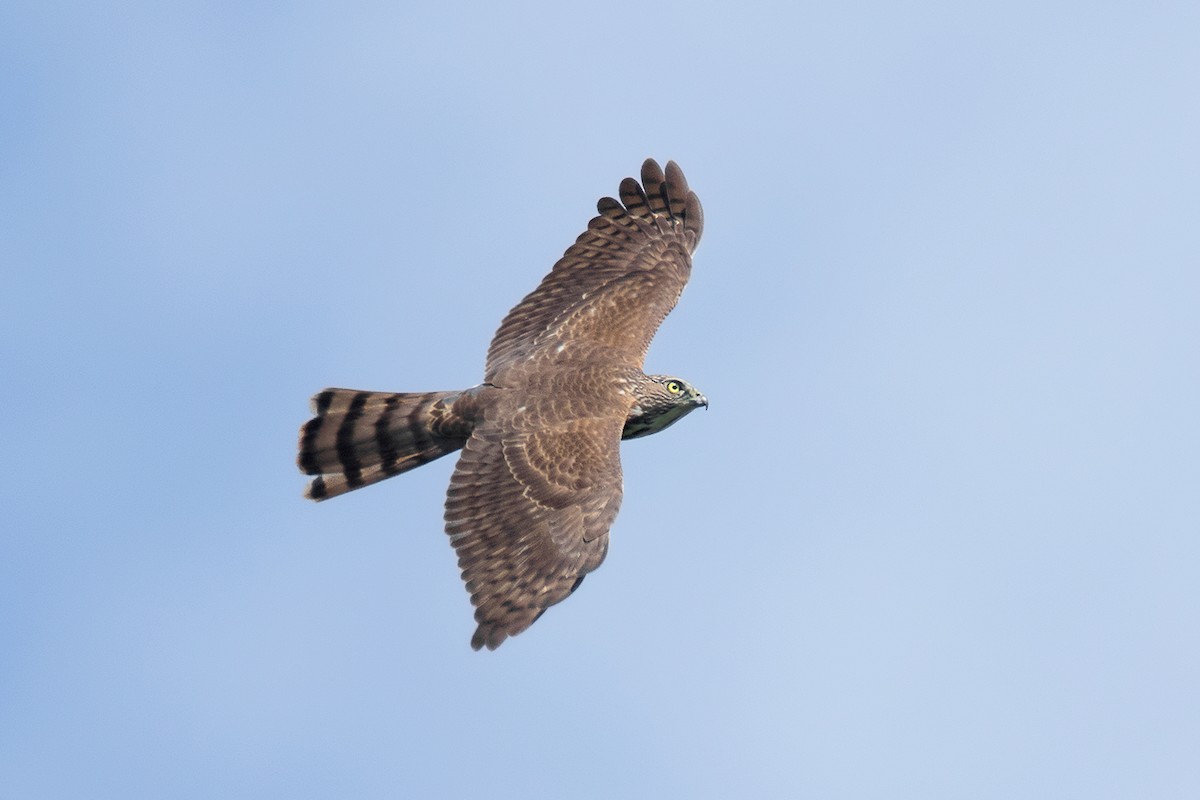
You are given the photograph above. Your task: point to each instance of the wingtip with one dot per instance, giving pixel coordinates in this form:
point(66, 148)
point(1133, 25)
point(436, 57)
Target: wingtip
point(652, 174)
point(675, 177)
point(487, 636)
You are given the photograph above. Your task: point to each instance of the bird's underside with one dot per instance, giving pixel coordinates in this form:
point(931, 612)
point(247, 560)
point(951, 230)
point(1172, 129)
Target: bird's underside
point(538, 484)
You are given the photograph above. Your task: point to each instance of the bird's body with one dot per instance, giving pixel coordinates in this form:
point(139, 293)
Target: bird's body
point(538, 484)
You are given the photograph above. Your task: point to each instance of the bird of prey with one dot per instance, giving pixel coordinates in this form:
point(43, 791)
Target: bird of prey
point(538, 484)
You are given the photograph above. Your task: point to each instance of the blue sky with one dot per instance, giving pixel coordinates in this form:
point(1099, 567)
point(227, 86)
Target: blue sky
point(936, 536)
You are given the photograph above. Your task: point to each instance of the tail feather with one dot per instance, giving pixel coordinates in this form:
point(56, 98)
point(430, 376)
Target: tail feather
point(358, 438)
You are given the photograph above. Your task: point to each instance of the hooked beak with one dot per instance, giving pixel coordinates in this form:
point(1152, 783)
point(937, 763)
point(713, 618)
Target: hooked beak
point(701, 400)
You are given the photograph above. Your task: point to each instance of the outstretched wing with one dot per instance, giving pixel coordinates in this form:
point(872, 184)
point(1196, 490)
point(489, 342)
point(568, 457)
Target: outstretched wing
point(614, 286)
point(528, 512)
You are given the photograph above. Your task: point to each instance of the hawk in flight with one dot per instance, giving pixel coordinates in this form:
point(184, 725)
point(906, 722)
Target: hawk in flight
point(538, 484)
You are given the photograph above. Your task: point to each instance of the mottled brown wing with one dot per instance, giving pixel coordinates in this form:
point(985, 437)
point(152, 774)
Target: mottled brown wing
point(614, 286)
point(528, 512)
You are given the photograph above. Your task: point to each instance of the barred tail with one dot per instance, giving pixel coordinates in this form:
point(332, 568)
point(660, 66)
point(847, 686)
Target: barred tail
point(359, 438)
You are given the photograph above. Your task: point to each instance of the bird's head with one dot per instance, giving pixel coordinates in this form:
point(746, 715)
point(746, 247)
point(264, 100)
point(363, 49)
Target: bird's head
point(661, 400)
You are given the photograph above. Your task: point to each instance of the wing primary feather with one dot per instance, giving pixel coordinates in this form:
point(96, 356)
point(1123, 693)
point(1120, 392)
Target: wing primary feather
point(634, 198)
point(652, 182)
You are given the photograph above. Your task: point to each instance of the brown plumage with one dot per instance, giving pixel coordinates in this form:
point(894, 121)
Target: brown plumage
point(538, 484)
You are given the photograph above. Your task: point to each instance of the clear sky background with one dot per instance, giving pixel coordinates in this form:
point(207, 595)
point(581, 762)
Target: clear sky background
point(937, 536)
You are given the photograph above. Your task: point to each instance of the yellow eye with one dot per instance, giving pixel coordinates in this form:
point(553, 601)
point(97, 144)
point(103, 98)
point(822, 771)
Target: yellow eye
point(674, 388)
